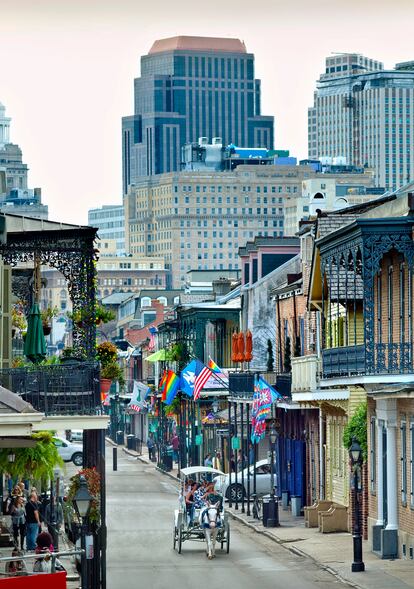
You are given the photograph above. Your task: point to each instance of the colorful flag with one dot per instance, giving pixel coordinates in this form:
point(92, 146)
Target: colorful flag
point(187, 378)
point(161, 384)
point(135, 402)
point(171, 387)
point(213, 366)
point(202, 375)
point(151, 344)
point(263, 398)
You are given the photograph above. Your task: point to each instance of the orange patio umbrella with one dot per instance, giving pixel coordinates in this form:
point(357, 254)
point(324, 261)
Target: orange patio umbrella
point(240, 346)
point(234, 347)
point(248, 356)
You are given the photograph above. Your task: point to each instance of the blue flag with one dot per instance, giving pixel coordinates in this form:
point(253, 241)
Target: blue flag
point(187, 379)
point(265, 386)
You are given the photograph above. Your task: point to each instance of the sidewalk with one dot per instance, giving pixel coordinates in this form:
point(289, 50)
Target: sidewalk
point(333, 552)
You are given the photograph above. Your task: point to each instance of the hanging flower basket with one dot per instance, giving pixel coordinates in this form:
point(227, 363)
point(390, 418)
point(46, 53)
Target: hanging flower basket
point(47, 329)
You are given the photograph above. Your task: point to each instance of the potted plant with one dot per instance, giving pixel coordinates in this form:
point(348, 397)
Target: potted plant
point(93, 480)
point(19, 323)
point(47, 316)
point(107, 353)
point(112, 372)
point(68, 356)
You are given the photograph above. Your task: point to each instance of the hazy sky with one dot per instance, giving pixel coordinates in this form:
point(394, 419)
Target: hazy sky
point(67, 69)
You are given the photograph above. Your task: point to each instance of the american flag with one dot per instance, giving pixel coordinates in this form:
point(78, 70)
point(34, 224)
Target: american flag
point(151, 344)
point(200, 380)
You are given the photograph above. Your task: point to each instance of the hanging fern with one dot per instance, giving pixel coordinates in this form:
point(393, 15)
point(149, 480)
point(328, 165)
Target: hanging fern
point(33, 463)
point(357, 428)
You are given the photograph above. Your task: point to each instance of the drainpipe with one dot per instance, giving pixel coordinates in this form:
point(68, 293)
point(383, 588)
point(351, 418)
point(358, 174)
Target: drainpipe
point(279, 329)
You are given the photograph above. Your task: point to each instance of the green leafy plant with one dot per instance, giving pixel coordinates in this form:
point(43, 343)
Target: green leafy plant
point(18, 318)
point(93, 480)
point(48, 314)
point(106, 353)
point(270, 365)
point(357, 428)
point(287, 363)
point(37, 462)
point(87, 314)
point(113, 371)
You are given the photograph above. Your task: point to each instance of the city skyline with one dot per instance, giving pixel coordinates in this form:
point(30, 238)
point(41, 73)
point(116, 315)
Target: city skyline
point(67, 81)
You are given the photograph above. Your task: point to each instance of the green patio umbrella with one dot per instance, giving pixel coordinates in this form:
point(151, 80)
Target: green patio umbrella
point(35, 343)
point(160, 356)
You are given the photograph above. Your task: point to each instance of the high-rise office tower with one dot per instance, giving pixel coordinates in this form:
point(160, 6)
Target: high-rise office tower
point(364, 115)
point(191, 87)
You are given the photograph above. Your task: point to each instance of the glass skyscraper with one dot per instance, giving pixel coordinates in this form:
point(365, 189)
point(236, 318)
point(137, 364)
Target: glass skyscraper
point(364, 115)
point(191, 87)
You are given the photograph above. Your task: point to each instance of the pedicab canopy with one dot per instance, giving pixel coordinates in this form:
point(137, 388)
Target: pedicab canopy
point(193, 470)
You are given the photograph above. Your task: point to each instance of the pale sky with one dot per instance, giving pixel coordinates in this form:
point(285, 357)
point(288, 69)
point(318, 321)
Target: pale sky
point(67, 70)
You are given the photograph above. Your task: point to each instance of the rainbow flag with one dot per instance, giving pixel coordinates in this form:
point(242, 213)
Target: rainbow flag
point(213, 366)
point(161, 384)
point(171, 387)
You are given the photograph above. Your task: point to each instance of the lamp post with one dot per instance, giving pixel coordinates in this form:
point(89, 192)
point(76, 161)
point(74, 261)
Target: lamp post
point(82, 505)
point(273, 515)
point(215, 408)
point(355, 454)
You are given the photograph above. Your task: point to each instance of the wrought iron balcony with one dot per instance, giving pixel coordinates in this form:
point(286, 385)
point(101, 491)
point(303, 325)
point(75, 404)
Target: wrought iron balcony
point(66, 389)
point(392, 358)
point(305, 373)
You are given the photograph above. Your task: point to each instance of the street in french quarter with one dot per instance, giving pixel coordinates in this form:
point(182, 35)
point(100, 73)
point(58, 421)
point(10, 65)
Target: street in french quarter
point(140, 509)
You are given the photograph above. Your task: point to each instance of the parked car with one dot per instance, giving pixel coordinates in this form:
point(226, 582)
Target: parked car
point(68, 451)
point(238, 486)
point(76, 435)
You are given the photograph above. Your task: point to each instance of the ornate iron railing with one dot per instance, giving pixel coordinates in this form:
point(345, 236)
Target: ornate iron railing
point(67, 389)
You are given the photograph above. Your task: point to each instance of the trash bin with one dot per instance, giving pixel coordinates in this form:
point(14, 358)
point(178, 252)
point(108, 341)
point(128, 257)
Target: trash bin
point(167, 458)
point(119, 437)
point(138, 445)
point(296, 505)
point(285, 500)
point(131, 445)
point(270, 517)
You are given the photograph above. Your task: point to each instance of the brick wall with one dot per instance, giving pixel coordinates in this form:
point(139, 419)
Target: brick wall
point(286, 310)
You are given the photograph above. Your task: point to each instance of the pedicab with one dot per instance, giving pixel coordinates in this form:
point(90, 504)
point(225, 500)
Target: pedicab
point(209, 523)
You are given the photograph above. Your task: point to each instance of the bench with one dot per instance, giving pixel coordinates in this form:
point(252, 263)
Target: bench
point(311, 512)
point(335, 519)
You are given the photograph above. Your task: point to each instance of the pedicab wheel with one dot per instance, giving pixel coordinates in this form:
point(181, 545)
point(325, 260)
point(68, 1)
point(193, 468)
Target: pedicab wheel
point(175, 537)
point(180, 538)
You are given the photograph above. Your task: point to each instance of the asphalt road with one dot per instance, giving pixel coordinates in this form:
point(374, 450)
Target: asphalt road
point(140, 507)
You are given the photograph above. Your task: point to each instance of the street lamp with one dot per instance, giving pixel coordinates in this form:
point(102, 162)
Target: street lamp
point(215, 408)
point(355, 454)
point(82, 504)
point(273, 514)
point(11, 457)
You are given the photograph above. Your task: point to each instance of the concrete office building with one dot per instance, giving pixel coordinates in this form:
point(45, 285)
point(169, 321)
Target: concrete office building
point(15, 196)
point(365, 114)
point(191, 87)
point(110, 221)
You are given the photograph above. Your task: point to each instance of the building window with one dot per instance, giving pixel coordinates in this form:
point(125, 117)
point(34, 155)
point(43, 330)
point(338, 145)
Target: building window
point(390, 304)
point(403, 463)
point(373, 455)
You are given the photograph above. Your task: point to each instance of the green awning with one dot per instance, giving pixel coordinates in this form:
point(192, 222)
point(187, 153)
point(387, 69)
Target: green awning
point(35, 343)
point(160, 356)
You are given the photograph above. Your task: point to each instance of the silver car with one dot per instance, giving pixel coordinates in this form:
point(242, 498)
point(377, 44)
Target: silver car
point(68, 451)
point(238, 487)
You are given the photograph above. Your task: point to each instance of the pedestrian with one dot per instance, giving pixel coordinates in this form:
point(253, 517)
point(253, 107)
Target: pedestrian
point(216, 463)
point(18, 517)
point(151, 447)
point(175, 442)
point(23, 490)
point(54, 519)
point(16, 568)
point(232, 463)
point(32, 521)
point(44, 545)
point(208, 460)
point(251, 454)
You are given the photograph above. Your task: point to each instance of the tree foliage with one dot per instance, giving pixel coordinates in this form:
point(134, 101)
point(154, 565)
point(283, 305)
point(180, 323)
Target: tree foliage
point(33, 463)
point(357, 428)
point(270, 364)
point(93, 481)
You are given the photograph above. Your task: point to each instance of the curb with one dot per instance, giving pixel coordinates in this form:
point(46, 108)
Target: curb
point(110, 441)
point(294, 550)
